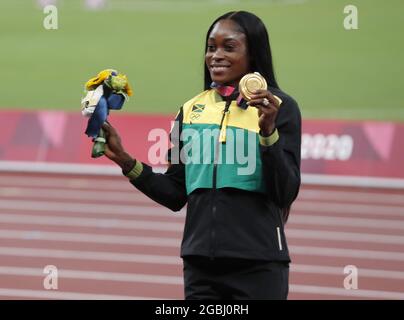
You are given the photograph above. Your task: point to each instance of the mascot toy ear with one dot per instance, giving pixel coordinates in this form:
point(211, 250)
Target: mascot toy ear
point(107, 91)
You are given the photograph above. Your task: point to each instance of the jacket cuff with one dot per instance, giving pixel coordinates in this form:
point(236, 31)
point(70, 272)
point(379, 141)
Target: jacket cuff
point(269, 141)
point(136, 171)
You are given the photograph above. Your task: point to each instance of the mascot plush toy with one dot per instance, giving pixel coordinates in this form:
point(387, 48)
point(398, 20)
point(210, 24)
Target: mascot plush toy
point(107, 91)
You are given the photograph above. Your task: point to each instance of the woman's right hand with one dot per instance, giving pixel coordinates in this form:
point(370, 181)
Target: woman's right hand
point(113, 147)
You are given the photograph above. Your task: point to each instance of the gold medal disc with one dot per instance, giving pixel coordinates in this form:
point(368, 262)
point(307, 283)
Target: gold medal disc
point(251, 82)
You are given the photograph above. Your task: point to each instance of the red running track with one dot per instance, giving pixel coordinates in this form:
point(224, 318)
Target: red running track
point(108, 241)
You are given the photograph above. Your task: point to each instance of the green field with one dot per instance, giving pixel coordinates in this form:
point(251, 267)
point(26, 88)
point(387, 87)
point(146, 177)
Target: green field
point(331, 72)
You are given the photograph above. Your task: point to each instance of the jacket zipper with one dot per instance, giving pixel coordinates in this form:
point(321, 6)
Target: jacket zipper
point(278, 231)
point(214, 182)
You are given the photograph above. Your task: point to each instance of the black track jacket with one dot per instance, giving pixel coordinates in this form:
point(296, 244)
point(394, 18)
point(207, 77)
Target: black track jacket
point(230, 222)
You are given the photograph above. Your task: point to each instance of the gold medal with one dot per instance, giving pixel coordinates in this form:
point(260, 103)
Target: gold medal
point(250, 83)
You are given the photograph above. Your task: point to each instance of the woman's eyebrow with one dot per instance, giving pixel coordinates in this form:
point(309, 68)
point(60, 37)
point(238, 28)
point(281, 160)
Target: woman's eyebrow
point(231, 39)
point(227, 39)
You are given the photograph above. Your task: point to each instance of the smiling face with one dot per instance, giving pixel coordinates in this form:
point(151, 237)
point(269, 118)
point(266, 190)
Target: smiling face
point(227, 53)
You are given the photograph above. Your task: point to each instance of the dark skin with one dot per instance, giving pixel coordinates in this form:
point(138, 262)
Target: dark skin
point(228, 61)
point(114, 149)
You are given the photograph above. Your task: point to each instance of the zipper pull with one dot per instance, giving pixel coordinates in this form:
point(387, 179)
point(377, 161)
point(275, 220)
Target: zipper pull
point(225, 119)
point(222, 137)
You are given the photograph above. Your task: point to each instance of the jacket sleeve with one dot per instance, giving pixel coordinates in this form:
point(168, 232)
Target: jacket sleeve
point(167, 189)
point(281, 160)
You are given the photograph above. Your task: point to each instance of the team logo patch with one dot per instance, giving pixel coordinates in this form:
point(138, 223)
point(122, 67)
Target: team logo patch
point(196, 111)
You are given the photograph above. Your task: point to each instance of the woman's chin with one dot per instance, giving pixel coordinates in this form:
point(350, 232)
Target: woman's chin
point(222, 82)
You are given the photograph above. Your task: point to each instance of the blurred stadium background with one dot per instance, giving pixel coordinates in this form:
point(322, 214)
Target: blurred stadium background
point(332, 72)
point(109, 241)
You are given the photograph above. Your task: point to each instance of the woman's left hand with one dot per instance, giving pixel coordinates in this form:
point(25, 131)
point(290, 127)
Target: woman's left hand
point(268, 107)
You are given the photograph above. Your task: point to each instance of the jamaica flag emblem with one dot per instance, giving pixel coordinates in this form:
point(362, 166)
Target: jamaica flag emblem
point(198, 107)
point(196, 111)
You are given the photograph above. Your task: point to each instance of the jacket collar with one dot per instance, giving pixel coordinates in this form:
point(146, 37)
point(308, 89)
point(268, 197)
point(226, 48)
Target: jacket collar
point(225, 93)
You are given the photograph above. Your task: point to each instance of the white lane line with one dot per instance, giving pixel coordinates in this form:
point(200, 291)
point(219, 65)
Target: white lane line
point(131, 194)
point(174, 226)
point(60, 295)
point(89, 255)
point(305, 196)
point(159, 259)
point(114, 184)
point(64, 168)
point(351, 196)
point(105, 170)
point(92, 222)
point(94, 275)
point(346, 253)
point(306, 206)
point(339, 271)
point(178, 227)
point(345, 236)
point(346, 222)
point(119, 183)
point(89, 238)
point(335, 207)
point(175, 280)
point(178, 280)
point(64, 295)
point(59, 167)
point(90, 208)
point(352, 181)
point(49, 294)
point(65, 194)
point(358, 293)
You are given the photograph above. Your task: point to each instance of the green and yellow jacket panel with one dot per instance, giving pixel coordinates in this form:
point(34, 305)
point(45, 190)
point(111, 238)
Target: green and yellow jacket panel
point(231, 216)
point(230, 141)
